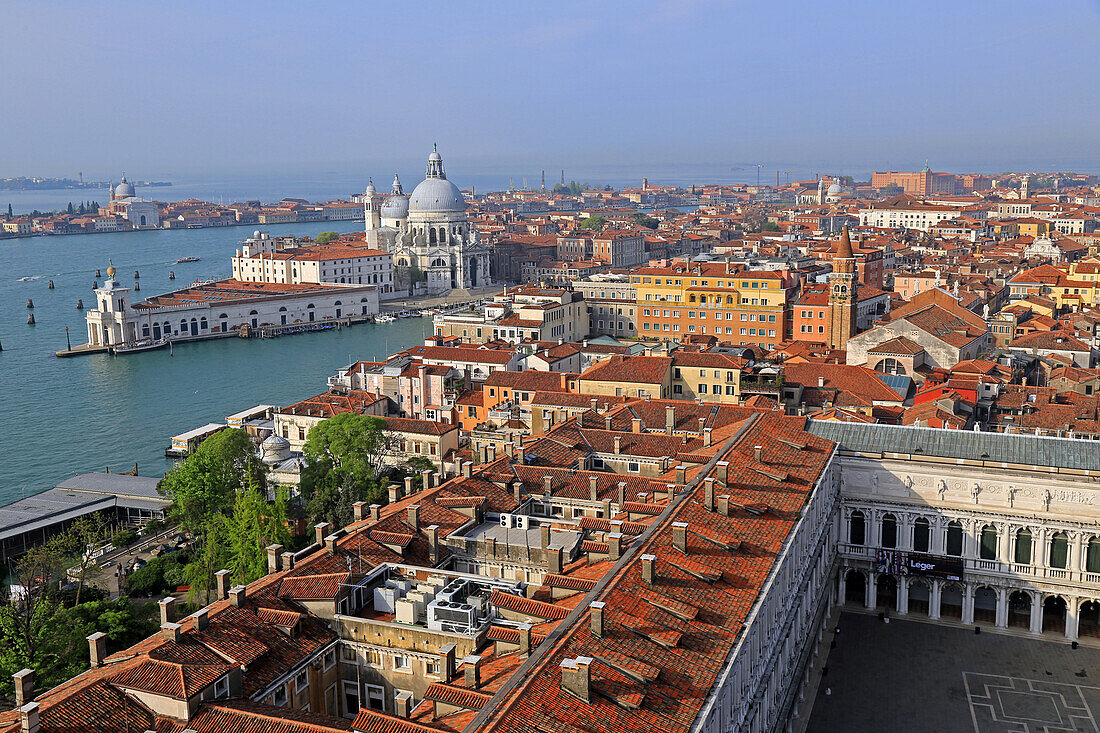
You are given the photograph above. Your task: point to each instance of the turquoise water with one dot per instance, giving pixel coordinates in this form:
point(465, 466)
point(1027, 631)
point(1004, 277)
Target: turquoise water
point(61, 417)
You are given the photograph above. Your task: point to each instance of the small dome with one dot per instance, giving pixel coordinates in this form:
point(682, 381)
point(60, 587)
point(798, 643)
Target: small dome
point(371, 190)
point(274, 449)
point(835, 189)
point(436, 195)
point(111, 272)
point(396, 207)
point(256, 234)
point(124, 189)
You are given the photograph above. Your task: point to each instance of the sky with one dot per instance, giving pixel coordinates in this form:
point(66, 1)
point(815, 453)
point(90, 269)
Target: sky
point(162, 89)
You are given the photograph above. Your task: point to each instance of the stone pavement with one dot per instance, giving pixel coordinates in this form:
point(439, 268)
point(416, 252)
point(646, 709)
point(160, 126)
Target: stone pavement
point(926, 678)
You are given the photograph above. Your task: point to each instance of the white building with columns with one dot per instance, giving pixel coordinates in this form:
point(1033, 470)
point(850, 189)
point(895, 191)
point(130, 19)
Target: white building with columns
point(995, 530)
point(429, 232)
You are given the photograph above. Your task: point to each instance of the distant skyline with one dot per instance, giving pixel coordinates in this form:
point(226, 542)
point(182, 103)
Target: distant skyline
point(605, 90)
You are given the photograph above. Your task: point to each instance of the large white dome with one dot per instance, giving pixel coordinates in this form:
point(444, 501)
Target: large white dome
point(434, 195)
point(124, 189)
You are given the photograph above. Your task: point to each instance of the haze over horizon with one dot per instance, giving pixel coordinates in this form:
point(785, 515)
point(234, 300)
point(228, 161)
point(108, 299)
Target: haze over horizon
point(616, 87)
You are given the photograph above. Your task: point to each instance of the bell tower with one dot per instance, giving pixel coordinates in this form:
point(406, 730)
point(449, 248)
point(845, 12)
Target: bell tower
point(372, 207)
point(842, 295)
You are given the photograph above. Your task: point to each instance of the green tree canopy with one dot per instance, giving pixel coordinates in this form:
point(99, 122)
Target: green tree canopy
point(207, 481)
point(594, 223)
point(645, 221)
point(326, 237)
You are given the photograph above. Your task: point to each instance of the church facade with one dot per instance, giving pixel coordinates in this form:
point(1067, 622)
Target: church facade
point(428, 233)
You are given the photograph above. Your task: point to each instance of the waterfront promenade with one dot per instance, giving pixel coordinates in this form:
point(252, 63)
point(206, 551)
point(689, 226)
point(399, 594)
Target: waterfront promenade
point(78, 415)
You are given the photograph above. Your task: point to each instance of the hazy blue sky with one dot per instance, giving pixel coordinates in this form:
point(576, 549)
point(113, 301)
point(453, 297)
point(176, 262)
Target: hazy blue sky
point(160, 88)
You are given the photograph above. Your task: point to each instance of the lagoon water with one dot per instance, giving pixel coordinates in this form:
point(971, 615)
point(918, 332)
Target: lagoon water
point(61, 417)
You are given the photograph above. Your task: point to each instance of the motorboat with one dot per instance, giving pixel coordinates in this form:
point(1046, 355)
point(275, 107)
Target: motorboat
point(134, 347)
point(182, 260)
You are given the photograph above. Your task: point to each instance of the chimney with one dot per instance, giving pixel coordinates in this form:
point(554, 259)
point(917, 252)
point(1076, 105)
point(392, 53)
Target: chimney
point(555, 560)
point(670, 419)
point(357, 510)
point(681, 474)
point(491, 452)
point(288, 560)
point(593, 484)
point(821, 381)
point(426, 479)
point(757, 453)
point(319, 532)
point(375, 512)
point(576, 677)
point(708, 493)
point(28, 718)
point(447, 661)
point(221, 578)
point(202, 619)
point(97, 648)
point(724, 505)
point(413, 517)
point(239, 593)
point(671, 489)
point(618, 444)
point(544, 535)
point(330, 543)
point(723, 470)
point(274, 558)
point(517, 491)
point(520, 455)
point(171, 632)
point(471, 669)
point(680, 536)
point(524, 640)
point(409, 486)
point(708, 437)
point(596, 610)
point(402, 704)
point(615, 545)
point(649, 569)
point(395, 494)
point(607, 422)
point(167, 609)
point(702, 424)
point(24, 687)
point(636, 425)
point(622, 494)
point(467, 468)
point(592, 403)
point(547, 485)
point(433, 543)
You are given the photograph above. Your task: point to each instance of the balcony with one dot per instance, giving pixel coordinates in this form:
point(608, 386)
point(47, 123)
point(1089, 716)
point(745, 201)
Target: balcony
point(761, 385)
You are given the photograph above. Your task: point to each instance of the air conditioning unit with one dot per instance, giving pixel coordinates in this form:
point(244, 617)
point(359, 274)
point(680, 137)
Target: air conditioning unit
point(451, 616)
point(506, 521)
point(522, 521)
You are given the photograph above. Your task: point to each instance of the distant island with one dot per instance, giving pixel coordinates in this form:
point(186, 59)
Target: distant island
point(23, 183)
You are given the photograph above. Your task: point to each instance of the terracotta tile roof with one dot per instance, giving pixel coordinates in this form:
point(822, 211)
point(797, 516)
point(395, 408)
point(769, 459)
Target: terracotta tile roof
point(527, 606)
point(460, 696)
point(245, 716)
point(636, 369)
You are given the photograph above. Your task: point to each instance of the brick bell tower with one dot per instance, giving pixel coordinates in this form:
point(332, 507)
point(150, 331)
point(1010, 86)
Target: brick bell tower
point(842, 295)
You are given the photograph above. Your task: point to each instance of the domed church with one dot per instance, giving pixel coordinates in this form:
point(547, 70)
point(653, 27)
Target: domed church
point(430, 231)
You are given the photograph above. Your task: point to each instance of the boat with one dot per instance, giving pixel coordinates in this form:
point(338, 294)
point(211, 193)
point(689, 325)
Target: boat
point(182, 260)
point(384, 319)
point(135, 347)
point(428, 312)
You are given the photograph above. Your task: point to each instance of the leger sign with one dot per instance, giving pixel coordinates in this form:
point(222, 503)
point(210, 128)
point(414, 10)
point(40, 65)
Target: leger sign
point(905, 563)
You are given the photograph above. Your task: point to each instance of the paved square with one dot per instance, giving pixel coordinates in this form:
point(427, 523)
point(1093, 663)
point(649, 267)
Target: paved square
point(925, 678)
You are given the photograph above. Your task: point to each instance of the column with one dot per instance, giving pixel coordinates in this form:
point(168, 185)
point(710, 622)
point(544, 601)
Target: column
point(872, 590)
point(939, 536)
point(1074, 564)
point(971, 530)
point(1004, 544)
point(934, 600)
point(1001, 619)
point(903, 595)
point(968, 603)
point(1039, 548)
point(1073, 607)
point(842, 585)
point(1036, 613)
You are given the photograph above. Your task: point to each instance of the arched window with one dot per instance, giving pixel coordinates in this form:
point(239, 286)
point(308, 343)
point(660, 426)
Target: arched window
point(183, 324)
point(987, 549)
point(889, 531)
point(1023, 547)
point(890, 366)
point(1092, 556)
point(856, 529)
point(1059, 550)
point(145, 331)
point(431, 236)
point(922, 534)
point(955, 539)
point(203, 323)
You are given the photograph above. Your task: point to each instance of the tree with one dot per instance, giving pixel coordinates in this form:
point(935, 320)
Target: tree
point(645, 221)
point(353, 445)
point(124, 538)
point(254, 526)
point(25, 620)
point(326, 237)
point(206, 482)
point(594, 223)
point(83, 535)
